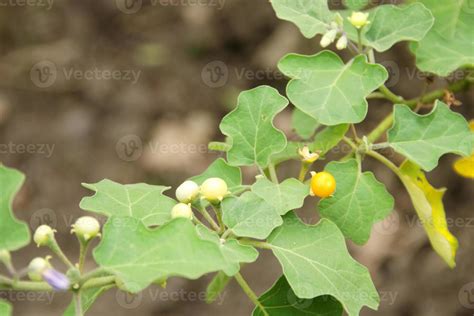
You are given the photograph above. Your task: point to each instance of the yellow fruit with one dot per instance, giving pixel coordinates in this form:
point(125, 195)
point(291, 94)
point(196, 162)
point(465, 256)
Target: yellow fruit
point(323, 184)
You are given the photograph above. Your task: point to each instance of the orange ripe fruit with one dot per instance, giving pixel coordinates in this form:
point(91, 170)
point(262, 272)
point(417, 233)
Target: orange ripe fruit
point(323, 184)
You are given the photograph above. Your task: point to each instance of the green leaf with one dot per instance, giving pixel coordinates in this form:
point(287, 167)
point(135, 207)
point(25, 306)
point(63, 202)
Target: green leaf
point(142, 201)
point(280, 300)
point(428, 203)
point(303, 124)
point(138, 255)
point(391, 24)
point(221, 169)
point(328, 138)
point(233, 252)
point(330, 91)
point(425, 138)
point(284, 197)
point(449, 43)
point(14, 234)
point(250, 216)
point(216, 286)
point(88, 297)
point(356, 4)
point(290, 152)
point(359, 201)
point(312, 17)
point(5, 308)
point(316, 262)
point(250, 127)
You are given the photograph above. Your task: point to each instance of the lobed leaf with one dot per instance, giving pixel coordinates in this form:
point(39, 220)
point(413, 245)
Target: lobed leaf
point(428, 203)
point(284, 197)
point(316, 262)
point(5, 308)
point(14, 234)
point(234, 252)
point(425, 138)
point(138, 255)
point(142, 201)
point(328, 90)
point(312, 17)
point(303, 124)
point(221, 169)
point(250, 127)
point(250, 216)
point(280, 300)
point(449, 43)
point(216, 286)
point(359, 201)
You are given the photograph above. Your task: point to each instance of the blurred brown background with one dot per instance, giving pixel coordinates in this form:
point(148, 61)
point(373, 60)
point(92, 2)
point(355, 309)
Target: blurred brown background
point(134, 90)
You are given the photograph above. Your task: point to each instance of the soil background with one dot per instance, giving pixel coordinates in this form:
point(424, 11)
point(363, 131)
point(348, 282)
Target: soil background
point(68, 91)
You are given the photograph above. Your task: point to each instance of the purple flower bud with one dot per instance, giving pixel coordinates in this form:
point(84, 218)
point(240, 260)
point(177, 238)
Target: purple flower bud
point(57, 280)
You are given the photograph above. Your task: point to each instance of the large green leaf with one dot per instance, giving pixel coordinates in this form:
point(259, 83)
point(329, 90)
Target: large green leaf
point(316, 262)
point(250, 216)
point(5, 308)
point(330, 91)
point(142, 201)
point(221, 169)
point(303, 124)
point(428, 203)
point(138, 255)
point(450, 42)
point(280, 300)
point(391, 24)
point(88, 297)
point(356, 4)
point(425, 138)
point(311, 16)
point(233, 252)
point(284, 197)
point(250, 127)
point(14, 234)
point(359, 201)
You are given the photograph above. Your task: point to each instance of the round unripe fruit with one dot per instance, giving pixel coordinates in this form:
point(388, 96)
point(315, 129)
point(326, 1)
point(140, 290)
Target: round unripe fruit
point(187, 191)
point(36, 268)
point(323, 184)
point(86, 228)
point(43, 235)
point(182, 210)
point(214, 189)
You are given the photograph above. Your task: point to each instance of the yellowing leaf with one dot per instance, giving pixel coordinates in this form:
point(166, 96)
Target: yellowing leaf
point(465, 166)
point(428, 203)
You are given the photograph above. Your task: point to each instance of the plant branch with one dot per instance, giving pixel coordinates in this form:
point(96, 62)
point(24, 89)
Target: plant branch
point(273, 173)
point(255, 243)
point(250, 293)
point(78, 304)
point(385, 161)
point(208, 218)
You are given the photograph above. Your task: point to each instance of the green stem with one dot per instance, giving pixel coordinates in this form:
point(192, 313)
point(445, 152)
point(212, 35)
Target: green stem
point(360, 48)
point(9, 284)
point(303, 170)
point(227, 233)
point(208, 218)
point(218, 211)
point(78, 304)
point(385, 161)
point(273, 173)
point(99, 282)
point(255, 243)
point(83, 247)
point(250, 293)
point(53, 245)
